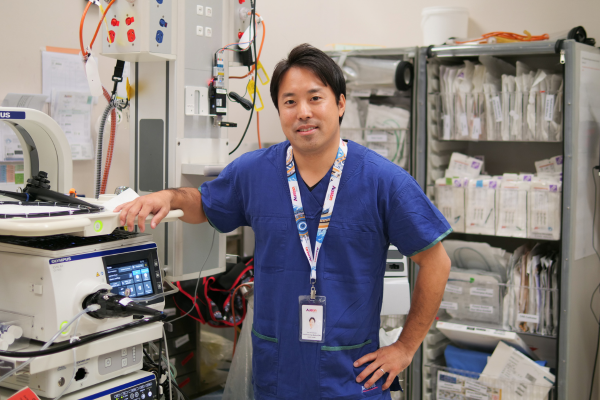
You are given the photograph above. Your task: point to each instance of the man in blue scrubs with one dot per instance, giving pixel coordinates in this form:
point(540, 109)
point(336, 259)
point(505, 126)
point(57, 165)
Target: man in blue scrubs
point(287, 194)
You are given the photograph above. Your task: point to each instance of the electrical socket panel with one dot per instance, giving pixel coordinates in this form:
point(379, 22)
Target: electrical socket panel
point(142, 30)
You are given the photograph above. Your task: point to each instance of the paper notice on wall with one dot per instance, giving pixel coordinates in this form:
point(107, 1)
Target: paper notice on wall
point(10, 146)
point(73, 111)
point(63, 72)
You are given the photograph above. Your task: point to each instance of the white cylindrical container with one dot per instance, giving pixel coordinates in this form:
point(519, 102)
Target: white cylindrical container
point(441, 23)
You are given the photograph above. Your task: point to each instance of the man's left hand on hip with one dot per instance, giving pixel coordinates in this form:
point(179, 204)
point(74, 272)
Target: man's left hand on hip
point(390, 360)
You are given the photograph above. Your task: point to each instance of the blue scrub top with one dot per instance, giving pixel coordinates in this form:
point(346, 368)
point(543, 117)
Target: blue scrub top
point(378, 203)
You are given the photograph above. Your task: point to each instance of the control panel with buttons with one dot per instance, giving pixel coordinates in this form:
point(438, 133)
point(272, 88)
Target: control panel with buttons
point(143, 391)
point(128, 358)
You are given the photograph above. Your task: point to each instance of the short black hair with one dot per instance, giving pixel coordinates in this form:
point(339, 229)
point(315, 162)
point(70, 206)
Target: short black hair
point(313, 318)
point(313, 59)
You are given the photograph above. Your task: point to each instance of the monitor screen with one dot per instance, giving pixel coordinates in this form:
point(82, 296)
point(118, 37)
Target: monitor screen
point(132, 275)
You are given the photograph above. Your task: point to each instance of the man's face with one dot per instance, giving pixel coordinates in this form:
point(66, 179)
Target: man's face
point(308, 110)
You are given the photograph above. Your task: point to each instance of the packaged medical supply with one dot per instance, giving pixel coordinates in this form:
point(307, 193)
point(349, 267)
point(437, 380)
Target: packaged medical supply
point(509, 364)
point(463, 166)
point(480, 206)
point(512, 209)
point(473, 295)
point(543, 210)
point(450, 200)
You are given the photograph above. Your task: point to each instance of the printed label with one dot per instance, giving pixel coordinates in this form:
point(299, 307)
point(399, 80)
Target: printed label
point(464, 127)
point(182, 340)
point(446, 120)
point(476, 128)
point(478, 308)
point(377, 137)
point(453, 289)
point(12, 115)
point(528, 318)
point(482, 292)
point(476, 387)
point(549, 112)
point(447, 305)
point(497, 108)
point(471, 395)
point(361, 93)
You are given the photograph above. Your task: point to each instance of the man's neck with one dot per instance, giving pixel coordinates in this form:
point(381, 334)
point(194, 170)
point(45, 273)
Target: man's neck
point(314, 165)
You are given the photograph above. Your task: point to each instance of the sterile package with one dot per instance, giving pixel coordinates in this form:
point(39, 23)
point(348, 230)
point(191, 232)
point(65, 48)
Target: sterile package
point(480, 206)
point(543, 210)
point(551, 166)
point(388, 134)
point(478, 256)
point(512, 209)
point(473, 295)
point(464, 166)
point(450, 200)
point(361, 71)
point(526, 177)
point(531, 299)
point(451, 386)
point(447, 90)
point(507, 364)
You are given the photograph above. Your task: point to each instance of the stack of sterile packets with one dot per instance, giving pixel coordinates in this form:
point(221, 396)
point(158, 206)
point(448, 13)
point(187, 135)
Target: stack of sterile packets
point(515, 205)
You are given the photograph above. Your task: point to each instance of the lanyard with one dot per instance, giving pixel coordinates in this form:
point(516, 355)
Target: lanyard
point(332, 189)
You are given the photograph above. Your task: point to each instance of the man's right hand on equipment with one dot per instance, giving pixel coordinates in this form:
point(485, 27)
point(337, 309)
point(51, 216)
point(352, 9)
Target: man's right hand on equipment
point(158, 203)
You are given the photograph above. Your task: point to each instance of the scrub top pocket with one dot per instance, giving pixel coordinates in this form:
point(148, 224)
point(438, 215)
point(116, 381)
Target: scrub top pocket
point(338, 375)
point(348, 255)
point(265, 362)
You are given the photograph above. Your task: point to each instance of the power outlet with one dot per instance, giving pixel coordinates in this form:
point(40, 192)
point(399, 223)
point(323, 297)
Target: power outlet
point(200, 10)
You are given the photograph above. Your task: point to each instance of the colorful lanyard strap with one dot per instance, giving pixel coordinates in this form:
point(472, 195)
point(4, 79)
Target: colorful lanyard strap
point(332, 189)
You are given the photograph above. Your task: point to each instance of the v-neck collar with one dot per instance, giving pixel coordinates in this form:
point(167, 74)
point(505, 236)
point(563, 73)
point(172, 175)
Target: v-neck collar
point(356, 155)
point(316, 196)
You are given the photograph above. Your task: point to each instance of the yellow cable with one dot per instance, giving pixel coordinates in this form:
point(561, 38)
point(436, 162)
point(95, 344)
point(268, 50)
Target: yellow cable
point(105, 23)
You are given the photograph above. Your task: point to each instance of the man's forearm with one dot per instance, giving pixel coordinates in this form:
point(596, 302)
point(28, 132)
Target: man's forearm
point(427, 296)
point(188, 200)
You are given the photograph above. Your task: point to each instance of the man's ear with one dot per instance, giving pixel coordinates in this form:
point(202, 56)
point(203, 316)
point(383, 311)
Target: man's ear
point(342, 105)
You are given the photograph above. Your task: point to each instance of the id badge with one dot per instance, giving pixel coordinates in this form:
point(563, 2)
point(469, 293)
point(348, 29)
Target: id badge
point(312, 319)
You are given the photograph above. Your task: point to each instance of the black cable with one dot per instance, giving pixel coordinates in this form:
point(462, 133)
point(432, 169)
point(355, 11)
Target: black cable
point(253, 4)
point(83, 340)
point(151, 361)
point(596, 289)
point(180, 391)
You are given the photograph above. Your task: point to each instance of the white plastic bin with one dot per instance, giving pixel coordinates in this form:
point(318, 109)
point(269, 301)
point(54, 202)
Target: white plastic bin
point(441, 23)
